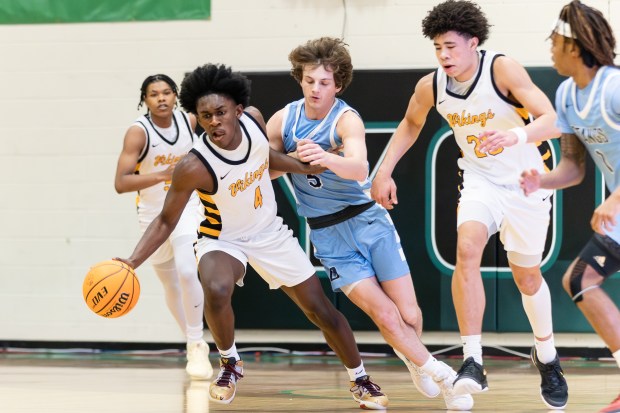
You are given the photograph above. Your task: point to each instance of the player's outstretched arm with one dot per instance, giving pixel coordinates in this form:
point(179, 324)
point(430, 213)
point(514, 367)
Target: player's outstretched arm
point(184, 182)
point(383, 187)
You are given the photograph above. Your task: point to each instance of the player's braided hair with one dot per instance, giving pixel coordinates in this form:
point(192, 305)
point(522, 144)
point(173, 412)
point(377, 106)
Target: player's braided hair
point(463, 17)
point(592, 33)
point(156, 78)
point(213, 79)
point(330, 52)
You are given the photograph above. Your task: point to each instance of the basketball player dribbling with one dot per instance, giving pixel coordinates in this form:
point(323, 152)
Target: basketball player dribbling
point(230, 168)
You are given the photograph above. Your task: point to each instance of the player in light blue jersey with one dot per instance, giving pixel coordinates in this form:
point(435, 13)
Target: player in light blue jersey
point(588, 108)
point(354, 237)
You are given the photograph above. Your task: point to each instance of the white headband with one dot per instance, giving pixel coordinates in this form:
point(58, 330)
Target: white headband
point(563, 29)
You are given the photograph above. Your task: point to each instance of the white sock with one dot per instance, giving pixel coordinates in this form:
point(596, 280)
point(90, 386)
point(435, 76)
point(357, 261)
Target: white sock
point(357, 372)
point(230, 353)
point(545, 350)
point(472, 347)
point(436, 369)
point(538, 310)
point(616, 355)
point(194, 333)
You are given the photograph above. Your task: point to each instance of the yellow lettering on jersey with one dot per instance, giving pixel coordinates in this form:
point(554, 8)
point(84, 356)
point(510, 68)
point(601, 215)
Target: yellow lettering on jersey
point(258, 198)
point(466, 118)
point(169, 159)
point(241, 185)
point(477, 141)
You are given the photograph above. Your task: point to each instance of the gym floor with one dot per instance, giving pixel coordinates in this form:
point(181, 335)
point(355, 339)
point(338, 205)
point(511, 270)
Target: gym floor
point(276, 380)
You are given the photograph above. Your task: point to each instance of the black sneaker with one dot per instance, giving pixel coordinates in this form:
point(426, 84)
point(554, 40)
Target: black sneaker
point(471, 378)
point(553, 387)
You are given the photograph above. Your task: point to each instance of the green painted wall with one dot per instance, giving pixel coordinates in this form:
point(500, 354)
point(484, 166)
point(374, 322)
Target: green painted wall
point(89, 11)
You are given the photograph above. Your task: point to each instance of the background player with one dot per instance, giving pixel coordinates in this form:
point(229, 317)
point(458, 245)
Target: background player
point(152, 146)
point(588, 108)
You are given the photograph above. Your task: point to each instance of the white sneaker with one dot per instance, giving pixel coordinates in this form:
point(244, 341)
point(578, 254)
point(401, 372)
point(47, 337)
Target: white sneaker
point(198, 365)
point(453, 401)
point(422, 381)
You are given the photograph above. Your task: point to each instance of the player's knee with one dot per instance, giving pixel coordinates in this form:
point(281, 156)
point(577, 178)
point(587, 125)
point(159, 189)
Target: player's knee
point(388, 319)
point(217, 292)
point(573, 280)
point(412, 316)
point(468, 251)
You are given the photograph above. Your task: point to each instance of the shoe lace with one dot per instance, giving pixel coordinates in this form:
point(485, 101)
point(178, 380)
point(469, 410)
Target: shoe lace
point(468, 367)
point(552, 376)
point(226, 375)
point(365, 385)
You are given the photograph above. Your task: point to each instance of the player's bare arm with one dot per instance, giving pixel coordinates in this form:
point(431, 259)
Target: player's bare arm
point(353, 165)
point(274, 133)
point(383, 187)
point(189, 175)
point(126, 180)
point(514, 82)
point(570, 170)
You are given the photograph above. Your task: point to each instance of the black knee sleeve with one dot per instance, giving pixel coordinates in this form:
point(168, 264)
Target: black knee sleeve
point(576, 276)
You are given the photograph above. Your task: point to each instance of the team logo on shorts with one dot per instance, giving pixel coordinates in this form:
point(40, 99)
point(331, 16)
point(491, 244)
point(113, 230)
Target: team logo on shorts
point(333, 274)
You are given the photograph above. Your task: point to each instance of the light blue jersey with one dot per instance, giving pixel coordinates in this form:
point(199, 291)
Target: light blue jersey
point(591, 114)
point(325, 193)
point(353, 236)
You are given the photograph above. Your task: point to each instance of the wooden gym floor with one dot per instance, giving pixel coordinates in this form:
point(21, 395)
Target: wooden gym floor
point(84, 381)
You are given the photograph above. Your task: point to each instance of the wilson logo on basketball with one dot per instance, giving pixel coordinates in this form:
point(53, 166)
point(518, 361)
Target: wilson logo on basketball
point(111, 288)
point(118, 307)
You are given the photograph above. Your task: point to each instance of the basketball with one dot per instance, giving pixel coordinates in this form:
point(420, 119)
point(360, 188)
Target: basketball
point(111, 289)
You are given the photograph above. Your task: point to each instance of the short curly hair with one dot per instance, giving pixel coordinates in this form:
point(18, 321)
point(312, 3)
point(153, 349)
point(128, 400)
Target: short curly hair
point(461, 16)
point(330, 52)
point(160, 77)
point(213, 79)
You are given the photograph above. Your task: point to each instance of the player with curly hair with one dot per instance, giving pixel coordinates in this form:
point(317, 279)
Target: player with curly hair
point(497, 115)
point(230, 167)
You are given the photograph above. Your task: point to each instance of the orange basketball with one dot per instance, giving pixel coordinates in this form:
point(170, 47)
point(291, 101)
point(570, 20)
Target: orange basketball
point(111, 288)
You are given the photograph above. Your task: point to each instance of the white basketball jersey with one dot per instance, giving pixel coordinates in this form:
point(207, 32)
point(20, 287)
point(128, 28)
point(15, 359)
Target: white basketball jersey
point(481, 108)
point(158, 154)
point(242, 202)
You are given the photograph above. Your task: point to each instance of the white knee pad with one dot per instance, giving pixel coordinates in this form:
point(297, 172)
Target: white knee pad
point(522, 260)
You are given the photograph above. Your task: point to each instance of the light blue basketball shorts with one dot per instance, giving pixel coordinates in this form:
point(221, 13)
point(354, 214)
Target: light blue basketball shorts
point(364, 246)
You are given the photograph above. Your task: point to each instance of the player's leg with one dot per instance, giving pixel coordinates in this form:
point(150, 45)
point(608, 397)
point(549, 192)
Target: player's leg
point(277, 257)
point(598, 260)
point(370, 297)
point(219, 271)
point(478, 216)
point(198, 365)
point(167, 273)
point(402, 293)
point(469, 302)
point(523, 234)
point(311, 299)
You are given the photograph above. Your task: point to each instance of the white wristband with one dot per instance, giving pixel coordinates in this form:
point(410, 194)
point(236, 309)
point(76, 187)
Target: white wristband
point(521, 135)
